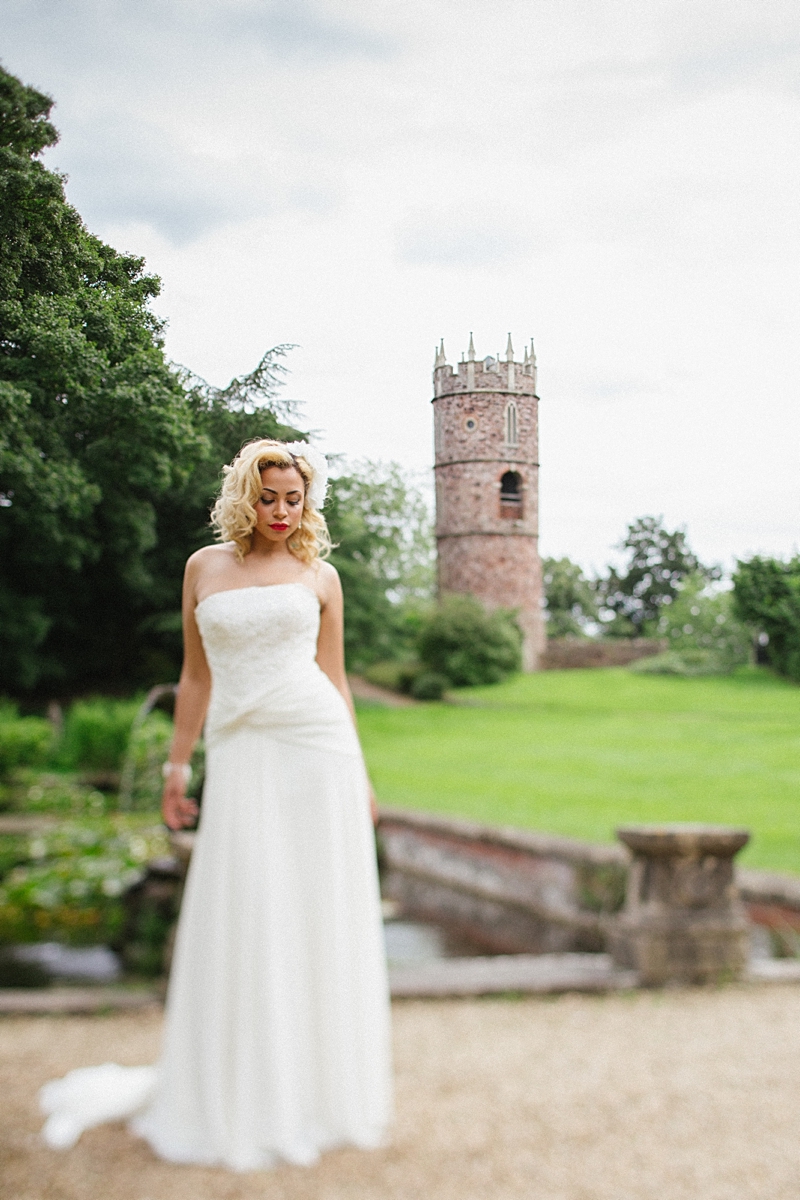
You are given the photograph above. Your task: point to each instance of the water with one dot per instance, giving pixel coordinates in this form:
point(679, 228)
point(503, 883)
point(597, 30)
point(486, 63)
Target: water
point(85, 964)
point(409, 941)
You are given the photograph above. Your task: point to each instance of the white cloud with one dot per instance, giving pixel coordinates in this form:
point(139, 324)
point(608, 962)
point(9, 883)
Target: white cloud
point(620, 181)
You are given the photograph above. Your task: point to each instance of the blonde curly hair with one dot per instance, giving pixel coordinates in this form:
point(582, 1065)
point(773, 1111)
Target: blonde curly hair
point(234, 515)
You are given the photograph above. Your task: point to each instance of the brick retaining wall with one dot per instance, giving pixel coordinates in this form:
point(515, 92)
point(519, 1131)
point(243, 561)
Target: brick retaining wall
point(565, 653)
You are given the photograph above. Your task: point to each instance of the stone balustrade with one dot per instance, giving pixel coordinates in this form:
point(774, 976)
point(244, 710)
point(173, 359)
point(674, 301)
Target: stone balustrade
point(683, 921)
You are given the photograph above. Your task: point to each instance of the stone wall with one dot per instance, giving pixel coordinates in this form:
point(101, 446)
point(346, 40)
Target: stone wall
point(507, 890)
point(514, 892)
point(566, 653)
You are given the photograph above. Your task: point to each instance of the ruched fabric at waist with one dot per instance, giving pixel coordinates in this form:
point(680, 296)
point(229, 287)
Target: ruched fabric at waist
point(302, 707)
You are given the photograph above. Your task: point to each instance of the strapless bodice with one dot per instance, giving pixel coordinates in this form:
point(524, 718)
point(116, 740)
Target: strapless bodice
point(261, 645)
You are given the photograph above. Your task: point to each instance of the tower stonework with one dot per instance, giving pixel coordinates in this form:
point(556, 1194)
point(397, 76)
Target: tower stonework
point(486, 436)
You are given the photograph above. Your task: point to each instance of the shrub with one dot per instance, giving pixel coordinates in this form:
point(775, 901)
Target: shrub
point(469, 645)
point(392, 674)
point(688, 663)
point(767, 597)
point(428, 685)
point(148, 748)
point(399, 676)
point(46, 793)
point(96, 735)
point(71, 885)
point(24, 741)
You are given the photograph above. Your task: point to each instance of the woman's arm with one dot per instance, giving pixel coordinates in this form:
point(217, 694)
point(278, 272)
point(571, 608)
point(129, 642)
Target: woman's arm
point(191, 704)
point(330, 643)
point(330, 648)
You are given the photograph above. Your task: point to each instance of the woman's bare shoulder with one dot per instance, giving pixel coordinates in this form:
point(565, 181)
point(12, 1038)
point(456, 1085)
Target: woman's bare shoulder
point(209, 560)
point(326, 573)
point(326, 581)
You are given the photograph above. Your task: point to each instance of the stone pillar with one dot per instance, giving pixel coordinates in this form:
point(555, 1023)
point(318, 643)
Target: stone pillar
point(682, 921)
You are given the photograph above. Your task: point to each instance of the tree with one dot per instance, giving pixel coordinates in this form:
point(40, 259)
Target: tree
point(766, 595)
point(702, 626)
point(571, 603)
point(381, 526)
point(107, 451)
point(658, 561)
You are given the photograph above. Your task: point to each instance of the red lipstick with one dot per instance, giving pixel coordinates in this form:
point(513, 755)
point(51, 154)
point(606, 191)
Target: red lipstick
point(278, 526)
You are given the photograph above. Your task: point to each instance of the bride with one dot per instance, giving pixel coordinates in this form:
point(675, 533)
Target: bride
point(276, 1039)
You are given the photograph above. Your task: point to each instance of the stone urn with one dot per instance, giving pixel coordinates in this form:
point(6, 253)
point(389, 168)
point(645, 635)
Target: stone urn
point(682, 921)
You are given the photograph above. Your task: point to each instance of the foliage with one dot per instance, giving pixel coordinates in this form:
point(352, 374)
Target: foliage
point(96, 734)
point(381, 524)
point(688, 663)
point(45, 792)
point(109, 455)
point(428, 685)
point(94, 422)
point(658, 562)
point(142, 782)
point(148, 749)
point(580, 752)
point(395, 674)
point(705, 636)
point(13, 851)
point(70, 887)
point(24, 741)
point(408, 676)
point(571, 603)
point(468, 645)
point(767, 598)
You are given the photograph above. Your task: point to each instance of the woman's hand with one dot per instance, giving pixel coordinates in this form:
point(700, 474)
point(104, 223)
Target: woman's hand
point(177, 809)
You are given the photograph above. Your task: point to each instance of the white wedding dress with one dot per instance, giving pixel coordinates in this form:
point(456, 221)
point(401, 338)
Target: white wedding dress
point(276, 1040)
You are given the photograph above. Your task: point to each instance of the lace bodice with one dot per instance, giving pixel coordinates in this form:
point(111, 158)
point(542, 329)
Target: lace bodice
point(261, 645)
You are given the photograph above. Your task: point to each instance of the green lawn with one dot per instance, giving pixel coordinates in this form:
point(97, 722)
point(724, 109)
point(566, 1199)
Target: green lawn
point(579, 752)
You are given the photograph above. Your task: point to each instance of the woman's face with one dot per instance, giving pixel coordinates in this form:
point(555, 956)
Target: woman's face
point(280, 507)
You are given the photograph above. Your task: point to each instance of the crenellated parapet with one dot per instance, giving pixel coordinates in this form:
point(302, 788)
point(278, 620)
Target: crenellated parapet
point(490, 374)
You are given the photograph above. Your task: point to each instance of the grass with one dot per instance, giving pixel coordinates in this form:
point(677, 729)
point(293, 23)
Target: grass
point(580, 752)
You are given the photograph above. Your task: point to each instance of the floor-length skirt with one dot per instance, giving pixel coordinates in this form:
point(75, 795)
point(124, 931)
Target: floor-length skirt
point(276, 1041)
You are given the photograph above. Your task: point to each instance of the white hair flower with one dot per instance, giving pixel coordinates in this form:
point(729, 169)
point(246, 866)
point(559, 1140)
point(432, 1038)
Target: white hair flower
point(319, 468)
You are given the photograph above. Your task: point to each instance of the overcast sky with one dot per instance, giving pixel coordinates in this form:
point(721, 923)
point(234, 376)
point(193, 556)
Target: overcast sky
point(620, 181)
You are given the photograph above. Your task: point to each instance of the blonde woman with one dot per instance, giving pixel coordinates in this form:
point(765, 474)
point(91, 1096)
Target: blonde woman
point(276, 1042)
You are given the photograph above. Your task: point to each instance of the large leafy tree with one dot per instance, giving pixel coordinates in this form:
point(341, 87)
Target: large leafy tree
point(766, 594)
point(110, 457)
point(108, 454)
point(658, 561)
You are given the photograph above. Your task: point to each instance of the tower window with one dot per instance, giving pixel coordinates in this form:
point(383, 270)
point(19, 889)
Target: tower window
point(511, 495)
point(512, 434)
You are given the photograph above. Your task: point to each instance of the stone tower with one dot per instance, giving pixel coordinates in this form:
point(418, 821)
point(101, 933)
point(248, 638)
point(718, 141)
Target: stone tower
point(486, 435)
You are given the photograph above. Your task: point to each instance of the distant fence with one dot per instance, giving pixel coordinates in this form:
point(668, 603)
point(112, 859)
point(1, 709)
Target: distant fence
point(565, 653)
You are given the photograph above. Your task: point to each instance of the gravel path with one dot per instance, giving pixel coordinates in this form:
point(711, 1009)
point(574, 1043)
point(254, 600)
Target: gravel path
point(677, 1095)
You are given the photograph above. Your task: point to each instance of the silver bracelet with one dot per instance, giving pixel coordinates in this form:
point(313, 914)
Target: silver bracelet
point(169, 768)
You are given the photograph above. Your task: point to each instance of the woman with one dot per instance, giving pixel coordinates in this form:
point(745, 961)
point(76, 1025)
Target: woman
point(276, 1041)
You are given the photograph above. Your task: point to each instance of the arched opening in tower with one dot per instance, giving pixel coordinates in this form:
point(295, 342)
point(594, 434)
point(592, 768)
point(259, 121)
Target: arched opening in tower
point(511, 495)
